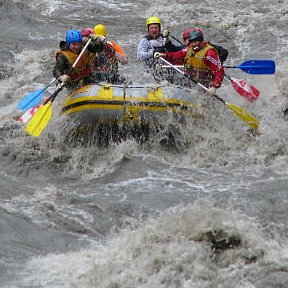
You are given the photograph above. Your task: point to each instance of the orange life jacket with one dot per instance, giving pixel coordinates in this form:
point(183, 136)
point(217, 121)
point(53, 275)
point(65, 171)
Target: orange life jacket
point(83, 67)
point(195, 66)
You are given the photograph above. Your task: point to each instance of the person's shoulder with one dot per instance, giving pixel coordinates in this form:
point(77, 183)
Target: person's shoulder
point(210, 51)
point(209, 48)
point(62, 45)
point(118, 47)
point(61, 58)
point(217, 47)
point(222, 52)
point(59, 54)
point(109, 47)
point(114, 44)
point(145, 38)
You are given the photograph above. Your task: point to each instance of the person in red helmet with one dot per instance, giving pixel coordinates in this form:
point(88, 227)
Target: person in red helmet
point(86, 32)
point(177, 58)
point(105, 63)
point(105, 66)
point(202, 62)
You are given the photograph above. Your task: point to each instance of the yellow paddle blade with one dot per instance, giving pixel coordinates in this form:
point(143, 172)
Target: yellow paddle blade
point(244, 116)
point(40, 120)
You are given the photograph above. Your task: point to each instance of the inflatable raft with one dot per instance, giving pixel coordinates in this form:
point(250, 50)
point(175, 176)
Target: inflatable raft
point(112, 104)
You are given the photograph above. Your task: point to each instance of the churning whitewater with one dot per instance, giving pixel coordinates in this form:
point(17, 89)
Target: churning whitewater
point(208, 211)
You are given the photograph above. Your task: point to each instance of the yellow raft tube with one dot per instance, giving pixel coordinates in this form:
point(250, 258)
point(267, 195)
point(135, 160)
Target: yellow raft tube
point(94, 104)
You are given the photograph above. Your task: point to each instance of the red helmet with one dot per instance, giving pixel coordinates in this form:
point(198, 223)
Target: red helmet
point(187, 32)
point(85, 32)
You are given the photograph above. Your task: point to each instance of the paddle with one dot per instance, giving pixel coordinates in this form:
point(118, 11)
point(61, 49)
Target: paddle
point(42, 116)
point(249, 66)
point(256, 67)
point(33, 98)
point(29, 114)
point(243, 88)
point(239, 112)
point(177, 40)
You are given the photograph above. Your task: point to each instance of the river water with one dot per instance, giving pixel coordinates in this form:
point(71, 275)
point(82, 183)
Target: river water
point(144, 215)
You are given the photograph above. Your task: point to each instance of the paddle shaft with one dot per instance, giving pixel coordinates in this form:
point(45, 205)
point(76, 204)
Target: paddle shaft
point(177, 68)
point(51, 82)
point(42, 117)
point(199, 84)
point(183, 73)
point(231, 66)
point(80, 55)
point(53, 96)
point(177, 40)
point(249, 66)
point(239, 112)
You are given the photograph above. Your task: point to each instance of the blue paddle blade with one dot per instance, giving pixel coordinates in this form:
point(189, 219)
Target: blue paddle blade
point(258, 66)
point(31, 99)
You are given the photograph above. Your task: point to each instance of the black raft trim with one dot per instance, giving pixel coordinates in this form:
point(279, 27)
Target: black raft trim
point(131, 103)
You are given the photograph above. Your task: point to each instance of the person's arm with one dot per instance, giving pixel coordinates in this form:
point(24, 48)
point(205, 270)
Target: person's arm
point(212, 60)
point(123, 59)
point(176, 58)
point(222, 52)
point(145, 50)
point(61, 66)
point(170, 47)
point(120, 53)
point(97, 44)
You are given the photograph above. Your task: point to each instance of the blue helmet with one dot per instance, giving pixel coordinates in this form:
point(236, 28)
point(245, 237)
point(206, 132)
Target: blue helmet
point(73, 36)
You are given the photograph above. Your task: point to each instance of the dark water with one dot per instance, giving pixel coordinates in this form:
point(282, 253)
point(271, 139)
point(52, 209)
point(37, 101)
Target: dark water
point(212, 213)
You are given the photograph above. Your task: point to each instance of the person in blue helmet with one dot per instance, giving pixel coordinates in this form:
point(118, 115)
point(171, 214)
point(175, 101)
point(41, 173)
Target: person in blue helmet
point(67, 55)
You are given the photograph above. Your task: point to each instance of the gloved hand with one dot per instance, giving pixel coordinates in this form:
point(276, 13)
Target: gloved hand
point(92, 36)
point(64, 78)
point(98, 39)
point(158, 55)
point(160, 49)
point(212, 90)
point(166, 32)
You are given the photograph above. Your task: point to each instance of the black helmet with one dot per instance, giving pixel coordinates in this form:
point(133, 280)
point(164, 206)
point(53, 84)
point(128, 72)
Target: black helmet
point(196, 35)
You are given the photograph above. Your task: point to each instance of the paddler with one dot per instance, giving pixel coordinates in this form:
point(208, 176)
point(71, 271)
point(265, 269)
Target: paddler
point(177, 58)
point(154, 41)
point(202, 62)
point(65, 57)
